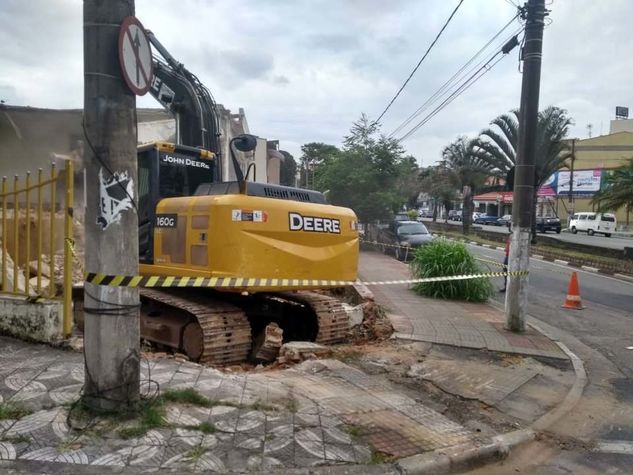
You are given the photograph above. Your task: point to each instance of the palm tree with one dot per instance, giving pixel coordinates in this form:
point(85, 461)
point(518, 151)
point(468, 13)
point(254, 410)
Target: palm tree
point(618, 191)
point(498, 145)
point(469, 172)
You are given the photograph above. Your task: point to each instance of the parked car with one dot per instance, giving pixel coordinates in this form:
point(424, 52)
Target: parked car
point(505, 220)
point(592, 223)
point(404, 234)
point(476, 214)
point(455, 215)
point(402, 216)
point(544, 224)
point(486, 219)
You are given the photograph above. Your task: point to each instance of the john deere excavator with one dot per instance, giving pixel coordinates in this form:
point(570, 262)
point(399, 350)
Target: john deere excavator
point(191, 224)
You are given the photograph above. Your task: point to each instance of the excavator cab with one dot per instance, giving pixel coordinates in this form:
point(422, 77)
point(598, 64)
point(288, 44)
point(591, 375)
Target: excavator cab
point(166, 170)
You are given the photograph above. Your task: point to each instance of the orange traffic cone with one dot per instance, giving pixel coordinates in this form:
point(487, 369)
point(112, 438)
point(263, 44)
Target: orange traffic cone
point(573, 294)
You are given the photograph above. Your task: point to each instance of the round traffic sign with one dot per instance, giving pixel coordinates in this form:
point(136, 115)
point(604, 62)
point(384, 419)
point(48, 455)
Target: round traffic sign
point(135, 55)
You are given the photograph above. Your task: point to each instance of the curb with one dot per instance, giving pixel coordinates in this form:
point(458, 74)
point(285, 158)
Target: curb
point(461, 457)
point(467, 456)
point(624, 277)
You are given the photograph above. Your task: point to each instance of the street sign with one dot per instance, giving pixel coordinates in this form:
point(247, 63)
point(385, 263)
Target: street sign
point(135, 56)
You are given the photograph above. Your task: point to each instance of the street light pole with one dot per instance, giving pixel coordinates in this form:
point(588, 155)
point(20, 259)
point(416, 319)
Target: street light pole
point(519, 259)
point(571, 179)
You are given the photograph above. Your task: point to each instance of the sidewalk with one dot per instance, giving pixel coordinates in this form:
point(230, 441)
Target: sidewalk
point(373, 413)
point(318, 413)
point(461, 324)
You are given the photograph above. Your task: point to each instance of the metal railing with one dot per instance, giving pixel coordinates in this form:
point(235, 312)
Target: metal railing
point(25, 202)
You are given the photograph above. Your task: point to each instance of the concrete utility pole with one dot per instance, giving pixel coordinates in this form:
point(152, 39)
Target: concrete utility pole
point(519, 259)
point(111, 330)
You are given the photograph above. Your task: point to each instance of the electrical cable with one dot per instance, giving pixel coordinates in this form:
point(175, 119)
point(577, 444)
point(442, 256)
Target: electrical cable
point(460, 90)
point(115, 309)
point(105, 165)
point(455, 77)
point(437, 37)
point(465, 86)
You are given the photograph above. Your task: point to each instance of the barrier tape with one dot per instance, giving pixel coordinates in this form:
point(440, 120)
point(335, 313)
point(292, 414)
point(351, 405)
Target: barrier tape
point(246, 283)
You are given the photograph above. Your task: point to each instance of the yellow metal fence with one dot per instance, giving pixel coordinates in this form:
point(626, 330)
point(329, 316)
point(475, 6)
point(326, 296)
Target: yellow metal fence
point(30, 238)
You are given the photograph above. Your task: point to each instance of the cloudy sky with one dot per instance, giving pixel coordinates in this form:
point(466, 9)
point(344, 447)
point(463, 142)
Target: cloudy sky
point(304, 70)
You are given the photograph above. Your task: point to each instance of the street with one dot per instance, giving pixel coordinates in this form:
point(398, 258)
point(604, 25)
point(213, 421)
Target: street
point(581, 238)
point(601, 336)
point(605, 322)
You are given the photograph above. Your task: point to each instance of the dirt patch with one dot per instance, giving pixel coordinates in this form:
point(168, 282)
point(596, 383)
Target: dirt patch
point(564, 442)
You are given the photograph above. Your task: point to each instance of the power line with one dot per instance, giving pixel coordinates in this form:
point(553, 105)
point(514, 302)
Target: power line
point(460, 90)
point(453, 78)
point(437, 37)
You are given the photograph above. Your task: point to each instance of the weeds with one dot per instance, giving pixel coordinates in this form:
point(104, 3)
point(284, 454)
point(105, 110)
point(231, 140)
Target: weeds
point(150, 414)
point(188, 396)
point(11, 410)
point(356, 431)
point(16, 439)
point(151, 417)
point(442, 258)
point(195, 453)
point(378, 457)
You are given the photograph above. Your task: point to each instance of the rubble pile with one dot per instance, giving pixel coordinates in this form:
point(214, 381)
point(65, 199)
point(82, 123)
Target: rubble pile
point(375, 324)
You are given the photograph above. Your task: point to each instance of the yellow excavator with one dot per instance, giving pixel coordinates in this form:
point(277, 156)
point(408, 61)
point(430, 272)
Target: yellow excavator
point(263, 240)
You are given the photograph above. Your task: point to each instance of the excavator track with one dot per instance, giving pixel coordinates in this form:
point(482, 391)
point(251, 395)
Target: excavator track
point(219, 333)
point(333, 320)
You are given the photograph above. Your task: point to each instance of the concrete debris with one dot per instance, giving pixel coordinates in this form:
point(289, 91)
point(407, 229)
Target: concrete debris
point(46, 269)
point(375, 325)
point(267, 344)
point(76, 343)
point(355, 314)
point(11, 274)
point(297, 351)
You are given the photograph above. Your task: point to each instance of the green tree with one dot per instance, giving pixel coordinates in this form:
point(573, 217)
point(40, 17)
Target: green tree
point(498, 145)
point(437, 183)
point(367, 173)
point(313, 155)
point(408, 182)
point(288, 170)
point(618, 190)
point(468, 170)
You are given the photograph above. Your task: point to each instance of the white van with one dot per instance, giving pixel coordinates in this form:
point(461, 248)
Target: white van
point(593, 223)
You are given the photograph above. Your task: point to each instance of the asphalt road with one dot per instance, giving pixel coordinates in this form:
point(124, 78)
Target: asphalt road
point(601, 336)
point(604, 324)
point(580, 238)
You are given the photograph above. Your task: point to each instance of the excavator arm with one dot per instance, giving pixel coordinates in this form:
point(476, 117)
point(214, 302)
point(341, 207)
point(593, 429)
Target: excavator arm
point(181, 93)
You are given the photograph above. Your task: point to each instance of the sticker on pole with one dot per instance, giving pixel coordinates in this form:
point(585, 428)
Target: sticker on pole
point(135, 56)
point(115, 196)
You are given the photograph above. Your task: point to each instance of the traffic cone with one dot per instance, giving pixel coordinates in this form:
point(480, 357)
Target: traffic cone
point(573, 294)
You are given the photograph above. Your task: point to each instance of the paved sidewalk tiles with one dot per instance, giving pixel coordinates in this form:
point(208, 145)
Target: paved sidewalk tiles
point(462, 324)
point(315, 404)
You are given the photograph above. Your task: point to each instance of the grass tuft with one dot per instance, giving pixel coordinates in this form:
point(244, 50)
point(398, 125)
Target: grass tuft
point(188, 396)
point(11, 410)
point(378, 457)
point(442, 258)
point(195, 453)
point(151, 417)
